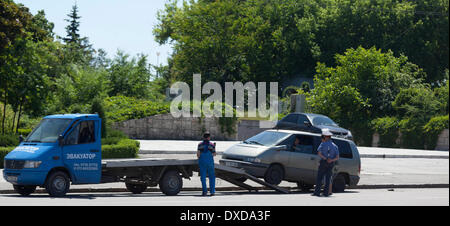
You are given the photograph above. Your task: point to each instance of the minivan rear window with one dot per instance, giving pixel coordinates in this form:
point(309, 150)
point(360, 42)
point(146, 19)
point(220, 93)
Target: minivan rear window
point(345, 151)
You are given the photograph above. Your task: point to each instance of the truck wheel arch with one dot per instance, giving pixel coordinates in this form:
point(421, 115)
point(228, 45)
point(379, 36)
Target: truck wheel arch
point(63, 169)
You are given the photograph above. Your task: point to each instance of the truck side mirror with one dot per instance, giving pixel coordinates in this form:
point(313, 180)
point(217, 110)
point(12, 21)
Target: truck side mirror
point(60, 140)
point(21, 139)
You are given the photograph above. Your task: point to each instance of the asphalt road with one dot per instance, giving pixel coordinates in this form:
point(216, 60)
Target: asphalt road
point(364, 197)
point(374, 171)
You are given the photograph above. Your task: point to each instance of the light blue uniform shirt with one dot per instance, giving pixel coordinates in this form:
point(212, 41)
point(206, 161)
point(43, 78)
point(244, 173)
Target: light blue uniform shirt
point(328, 149)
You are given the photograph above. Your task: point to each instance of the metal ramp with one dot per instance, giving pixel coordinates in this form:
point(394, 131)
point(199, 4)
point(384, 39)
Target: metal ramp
point(229, 174)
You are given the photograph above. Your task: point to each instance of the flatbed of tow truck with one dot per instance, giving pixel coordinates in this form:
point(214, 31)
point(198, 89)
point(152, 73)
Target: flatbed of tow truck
point(138, 174)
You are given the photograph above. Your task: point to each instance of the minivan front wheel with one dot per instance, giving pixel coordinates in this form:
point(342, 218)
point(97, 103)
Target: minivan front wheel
point(274, 175)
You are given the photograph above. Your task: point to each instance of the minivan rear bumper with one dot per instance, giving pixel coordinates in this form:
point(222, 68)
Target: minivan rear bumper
point(252, 168)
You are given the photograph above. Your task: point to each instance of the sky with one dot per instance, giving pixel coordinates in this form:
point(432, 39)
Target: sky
point(110, 24)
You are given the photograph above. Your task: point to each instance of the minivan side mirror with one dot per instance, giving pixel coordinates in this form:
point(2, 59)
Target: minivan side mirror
point(21, 139)
point(60, 140)
point(280, 148)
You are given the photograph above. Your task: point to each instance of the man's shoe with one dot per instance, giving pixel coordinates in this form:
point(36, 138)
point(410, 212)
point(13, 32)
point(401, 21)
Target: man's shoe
point(204, 194)
point(314, 194)
point(212, 194)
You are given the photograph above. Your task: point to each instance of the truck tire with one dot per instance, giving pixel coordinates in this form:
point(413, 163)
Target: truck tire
point(136, 188)
point(24, 190)
point(339, 184)
point(171, 183)
point(58, 184)
point(274, 175)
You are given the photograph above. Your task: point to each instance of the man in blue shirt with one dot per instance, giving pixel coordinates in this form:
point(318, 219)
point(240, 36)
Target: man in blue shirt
point(329, 154)
point(205, 154)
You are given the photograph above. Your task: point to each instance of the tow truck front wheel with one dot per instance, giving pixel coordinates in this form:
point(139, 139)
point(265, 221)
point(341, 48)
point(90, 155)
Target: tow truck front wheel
point(24, 190)
point(58, 184)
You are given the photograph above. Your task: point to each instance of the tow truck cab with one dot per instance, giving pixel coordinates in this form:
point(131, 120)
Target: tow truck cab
point(61, 149)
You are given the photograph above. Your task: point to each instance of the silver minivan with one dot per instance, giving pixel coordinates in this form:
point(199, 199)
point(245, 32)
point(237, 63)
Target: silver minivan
point(271, 155)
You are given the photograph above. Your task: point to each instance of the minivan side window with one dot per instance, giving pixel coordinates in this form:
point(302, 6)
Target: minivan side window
point(305, 144)
point(345, 151)
point(288, 142)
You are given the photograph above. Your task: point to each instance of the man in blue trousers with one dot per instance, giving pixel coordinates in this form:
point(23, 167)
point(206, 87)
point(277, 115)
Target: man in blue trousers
point(205, 154)
point(329, 154)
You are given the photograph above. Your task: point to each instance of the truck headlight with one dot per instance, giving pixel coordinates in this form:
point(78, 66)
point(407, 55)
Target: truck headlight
point(32, 164)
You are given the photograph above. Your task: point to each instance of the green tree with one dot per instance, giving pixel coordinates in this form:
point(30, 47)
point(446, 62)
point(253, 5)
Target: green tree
point(362, 87)
point(78, 49)
point(97, 107)
point(272, 40)
point(129, 77)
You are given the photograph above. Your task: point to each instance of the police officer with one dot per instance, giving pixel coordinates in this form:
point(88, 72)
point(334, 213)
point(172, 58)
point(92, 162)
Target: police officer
point(205, 154)
point(329, 154)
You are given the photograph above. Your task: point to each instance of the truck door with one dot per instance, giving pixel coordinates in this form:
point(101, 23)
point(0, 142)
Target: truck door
point(81, 152)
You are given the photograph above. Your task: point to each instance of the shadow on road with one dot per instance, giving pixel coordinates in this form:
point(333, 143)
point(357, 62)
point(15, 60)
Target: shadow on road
point(94, 195)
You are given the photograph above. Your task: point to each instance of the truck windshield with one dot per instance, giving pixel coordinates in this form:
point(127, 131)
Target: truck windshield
point(267, 138)
point(48, 130)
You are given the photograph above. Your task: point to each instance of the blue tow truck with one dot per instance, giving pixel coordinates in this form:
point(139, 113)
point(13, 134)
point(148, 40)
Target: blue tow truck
point(66, 149)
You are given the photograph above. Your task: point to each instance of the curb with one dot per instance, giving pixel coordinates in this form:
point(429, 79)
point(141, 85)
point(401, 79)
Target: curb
point(178, 152)
point(375, 186)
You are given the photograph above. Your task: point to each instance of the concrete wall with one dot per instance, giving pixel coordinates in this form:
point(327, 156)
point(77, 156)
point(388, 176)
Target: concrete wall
point(248, 128)
point(167, 127)
point(442, 143)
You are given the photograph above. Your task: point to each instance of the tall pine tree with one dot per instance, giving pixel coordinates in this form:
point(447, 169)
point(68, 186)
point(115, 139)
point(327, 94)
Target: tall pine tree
point(79, 49)
point(73, 37)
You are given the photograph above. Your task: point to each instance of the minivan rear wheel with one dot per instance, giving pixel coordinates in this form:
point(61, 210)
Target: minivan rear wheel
point(274, 175)
point(339, 184)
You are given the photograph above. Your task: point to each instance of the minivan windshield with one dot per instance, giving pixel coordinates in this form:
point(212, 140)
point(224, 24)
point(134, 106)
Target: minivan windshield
point(267, 138)
point(323, 121)
point(48, 130)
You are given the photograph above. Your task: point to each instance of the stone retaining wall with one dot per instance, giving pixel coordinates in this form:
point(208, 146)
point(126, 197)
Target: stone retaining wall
point(442, 143)
point(167, 127)
point(248, 128)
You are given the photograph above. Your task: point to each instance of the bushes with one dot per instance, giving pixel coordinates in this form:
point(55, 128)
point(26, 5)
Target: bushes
point(125, 148)
point(7, 140)
point(387, 128)
point(3, 152)
point(432, 130)
point(121, 108)
point(413, 133)
point(117, 145)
